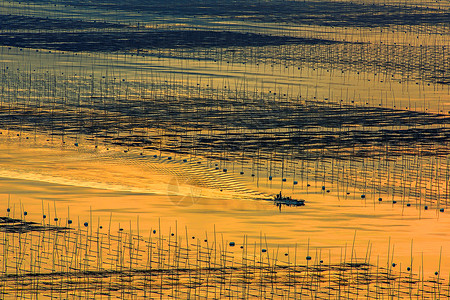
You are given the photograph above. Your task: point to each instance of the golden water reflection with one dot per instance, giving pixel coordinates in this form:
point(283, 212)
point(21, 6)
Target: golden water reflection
point(98, 185)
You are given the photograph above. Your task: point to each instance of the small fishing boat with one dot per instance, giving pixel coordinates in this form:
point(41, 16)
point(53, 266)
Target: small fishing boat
point(280, 200)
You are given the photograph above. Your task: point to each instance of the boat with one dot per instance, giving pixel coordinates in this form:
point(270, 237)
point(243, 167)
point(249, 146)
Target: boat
point(280, 200)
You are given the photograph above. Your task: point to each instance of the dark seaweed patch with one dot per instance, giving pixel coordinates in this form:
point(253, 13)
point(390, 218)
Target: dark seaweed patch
point(132, 40)
point(10, 225)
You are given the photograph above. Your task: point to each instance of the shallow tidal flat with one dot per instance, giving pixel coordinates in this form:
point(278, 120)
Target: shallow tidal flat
point(142, 145)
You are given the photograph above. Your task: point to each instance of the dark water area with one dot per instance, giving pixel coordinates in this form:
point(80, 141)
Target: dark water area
point(136, 40)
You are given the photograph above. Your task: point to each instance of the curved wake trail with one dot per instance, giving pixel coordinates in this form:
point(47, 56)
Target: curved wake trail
point(117, 170)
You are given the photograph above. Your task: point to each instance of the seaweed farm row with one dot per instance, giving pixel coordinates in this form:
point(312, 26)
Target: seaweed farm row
point(383, 152)
point(408, 181)
point(395, 39)
point(43, 261)
point(391, 59)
